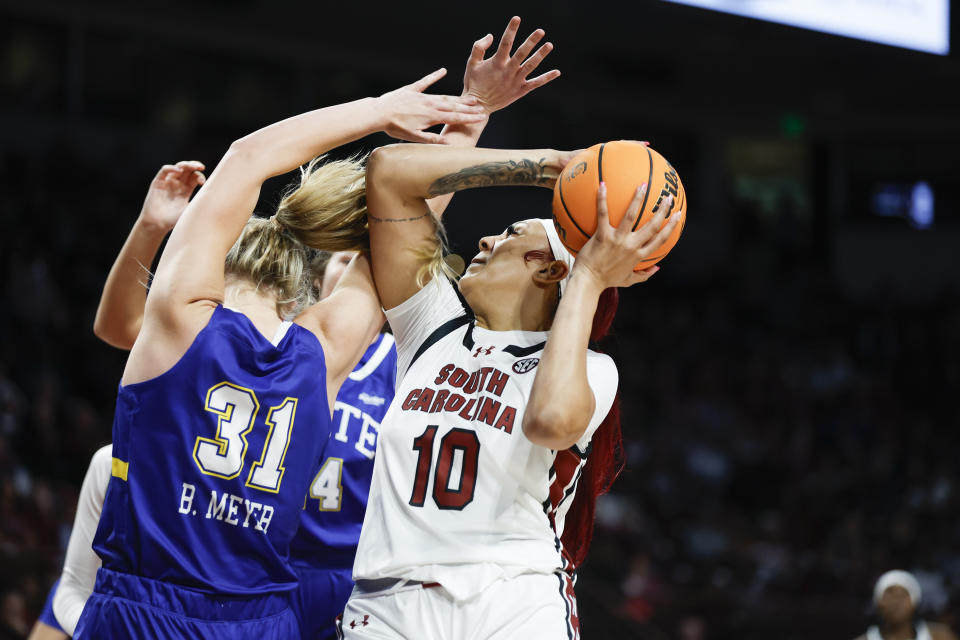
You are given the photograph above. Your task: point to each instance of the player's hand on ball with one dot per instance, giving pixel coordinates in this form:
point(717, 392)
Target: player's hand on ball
point(503, 78)
point(554, 165)
point(407, 111)
point(612, 253)
point(566, 156)
point(169, 193)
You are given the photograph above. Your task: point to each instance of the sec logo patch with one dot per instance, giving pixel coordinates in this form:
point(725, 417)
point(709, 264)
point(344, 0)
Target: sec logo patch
point(522, 366)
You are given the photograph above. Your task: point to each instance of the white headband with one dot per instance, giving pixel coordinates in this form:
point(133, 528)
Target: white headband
point(897, 578)
point(560, 252)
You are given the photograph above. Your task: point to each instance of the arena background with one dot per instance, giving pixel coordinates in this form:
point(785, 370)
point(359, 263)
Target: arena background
point(789, 379)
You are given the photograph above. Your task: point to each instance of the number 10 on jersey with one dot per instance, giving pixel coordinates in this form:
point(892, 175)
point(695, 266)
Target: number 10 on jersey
point(458, 445)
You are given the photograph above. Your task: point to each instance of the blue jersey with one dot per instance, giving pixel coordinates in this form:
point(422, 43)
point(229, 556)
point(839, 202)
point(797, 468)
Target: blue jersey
point(212, 459)
point(337, 499)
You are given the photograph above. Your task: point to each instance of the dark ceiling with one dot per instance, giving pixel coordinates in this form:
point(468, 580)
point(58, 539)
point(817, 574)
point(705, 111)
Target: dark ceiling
point(648, 60)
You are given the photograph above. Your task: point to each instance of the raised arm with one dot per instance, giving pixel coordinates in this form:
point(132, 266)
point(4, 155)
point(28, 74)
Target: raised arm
point(496, 82)
point(401, 178)
point(558, 421)
point(189, 282)
point(120, 312)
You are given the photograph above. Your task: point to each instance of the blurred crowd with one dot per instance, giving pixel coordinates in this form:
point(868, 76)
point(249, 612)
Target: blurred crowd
point(784, 445)
point(57, 382)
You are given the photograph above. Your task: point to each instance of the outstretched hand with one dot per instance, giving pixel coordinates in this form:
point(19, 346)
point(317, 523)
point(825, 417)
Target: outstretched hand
point(408, 111)
point(612, 253)
point(170, 191)
point(503, 78)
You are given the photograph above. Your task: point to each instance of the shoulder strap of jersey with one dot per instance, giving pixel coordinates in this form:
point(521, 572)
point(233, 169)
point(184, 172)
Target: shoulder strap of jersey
point(383, 348)
point(520, 352)
point(447, 327)
point(438, 334)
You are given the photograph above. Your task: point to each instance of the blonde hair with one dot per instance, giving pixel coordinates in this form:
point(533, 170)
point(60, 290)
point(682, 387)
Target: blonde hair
point(432, 256)
point(272, 260)
point(326, 210)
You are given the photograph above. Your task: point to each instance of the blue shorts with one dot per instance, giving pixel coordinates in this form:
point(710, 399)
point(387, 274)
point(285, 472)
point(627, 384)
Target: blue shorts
point(46, 616)
point(319, 599)
point(126, 606)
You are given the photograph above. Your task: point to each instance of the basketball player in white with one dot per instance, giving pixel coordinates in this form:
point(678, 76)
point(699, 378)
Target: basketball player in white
point(498, 391)
point(896, 596)
point(81, 563)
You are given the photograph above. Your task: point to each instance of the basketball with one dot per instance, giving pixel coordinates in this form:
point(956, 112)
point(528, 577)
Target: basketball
point(623, 165)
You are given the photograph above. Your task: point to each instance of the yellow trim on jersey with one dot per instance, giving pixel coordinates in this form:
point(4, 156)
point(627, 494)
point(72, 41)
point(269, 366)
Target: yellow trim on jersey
point(118, 468)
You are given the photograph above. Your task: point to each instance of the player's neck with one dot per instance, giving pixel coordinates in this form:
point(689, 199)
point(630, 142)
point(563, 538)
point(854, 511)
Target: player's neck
point(512, 312)
point(258, 305)
point(898, 631)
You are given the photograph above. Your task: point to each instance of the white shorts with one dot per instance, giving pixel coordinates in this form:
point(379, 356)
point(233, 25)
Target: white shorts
point(533, 606)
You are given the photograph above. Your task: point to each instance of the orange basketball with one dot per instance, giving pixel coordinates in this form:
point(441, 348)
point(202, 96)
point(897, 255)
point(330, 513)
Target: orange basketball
point(623, 166)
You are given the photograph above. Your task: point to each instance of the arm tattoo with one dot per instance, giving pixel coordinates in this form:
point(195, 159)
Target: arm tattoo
point(373, 218)
point(529, 172)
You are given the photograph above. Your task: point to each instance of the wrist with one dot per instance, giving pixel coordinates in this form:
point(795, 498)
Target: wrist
point(149, 226)
point(552, 165)
point(380, 113)
point(583, 279)
point(487, 108)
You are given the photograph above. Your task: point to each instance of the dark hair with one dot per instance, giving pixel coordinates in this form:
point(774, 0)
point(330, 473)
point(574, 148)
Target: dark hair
point(606, 458)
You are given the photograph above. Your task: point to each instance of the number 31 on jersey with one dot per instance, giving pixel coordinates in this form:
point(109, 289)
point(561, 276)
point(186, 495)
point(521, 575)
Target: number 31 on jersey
point(223, 455)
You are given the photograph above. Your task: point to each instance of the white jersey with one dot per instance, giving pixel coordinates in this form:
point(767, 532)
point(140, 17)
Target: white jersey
point(459, 495)
point(81, 563)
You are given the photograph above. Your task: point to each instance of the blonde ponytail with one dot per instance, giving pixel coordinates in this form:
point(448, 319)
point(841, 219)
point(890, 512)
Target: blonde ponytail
point(325, 210)
point(328, 208)
point(272, 260)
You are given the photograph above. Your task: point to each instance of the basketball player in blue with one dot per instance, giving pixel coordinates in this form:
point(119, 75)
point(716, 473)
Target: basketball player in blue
point(220, 412)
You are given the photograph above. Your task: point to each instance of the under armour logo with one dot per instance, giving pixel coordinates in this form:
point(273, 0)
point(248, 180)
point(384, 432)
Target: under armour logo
point(354, 623)
point(486, 351)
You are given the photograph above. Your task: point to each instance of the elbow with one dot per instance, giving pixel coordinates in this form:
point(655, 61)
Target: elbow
point(121, 338)
point(59, 607)
point(383, 164)
point(241, 148)
point(248, 151)
point(553, 429)
point(250, 158)
point(62, 607)
point(385, 155)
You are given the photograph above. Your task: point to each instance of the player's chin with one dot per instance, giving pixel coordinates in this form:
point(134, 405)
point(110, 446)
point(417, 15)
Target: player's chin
point(471, 278)
point(472, 271)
